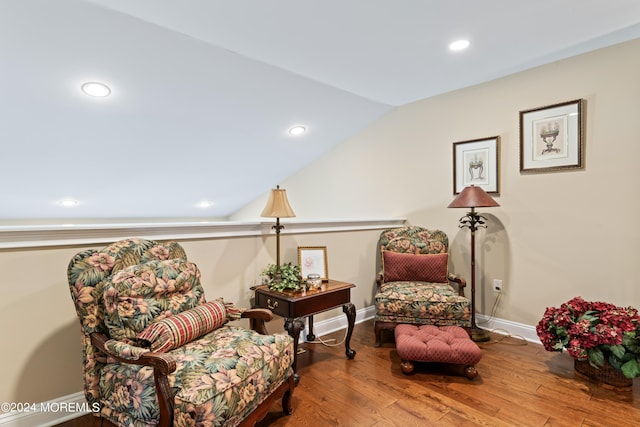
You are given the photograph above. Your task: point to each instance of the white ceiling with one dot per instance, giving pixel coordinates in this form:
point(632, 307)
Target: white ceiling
point(204, 91)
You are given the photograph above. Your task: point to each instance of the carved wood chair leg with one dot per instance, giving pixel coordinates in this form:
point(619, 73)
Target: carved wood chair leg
point(376, 331)
point(406, 366)
point(471, 372)
point(287, 405)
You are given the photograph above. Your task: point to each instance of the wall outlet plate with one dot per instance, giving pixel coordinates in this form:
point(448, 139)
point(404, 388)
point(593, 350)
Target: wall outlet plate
point(497, 286)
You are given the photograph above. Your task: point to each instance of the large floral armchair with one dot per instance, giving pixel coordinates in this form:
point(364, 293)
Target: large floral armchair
point(157, 353)
point(414, 285)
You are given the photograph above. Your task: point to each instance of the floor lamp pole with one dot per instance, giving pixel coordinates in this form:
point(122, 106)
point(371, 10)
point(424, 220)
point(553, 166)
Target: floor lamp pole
point(474, 221)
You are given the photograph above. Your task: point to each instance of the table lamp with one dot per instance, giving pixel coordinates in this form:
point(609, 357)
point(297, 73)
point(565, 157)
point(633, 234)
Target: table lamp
point(278, 207)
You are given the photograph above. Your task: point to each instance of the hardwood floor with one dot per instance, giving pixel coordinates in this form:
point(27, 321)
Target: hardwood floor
point(518, 385)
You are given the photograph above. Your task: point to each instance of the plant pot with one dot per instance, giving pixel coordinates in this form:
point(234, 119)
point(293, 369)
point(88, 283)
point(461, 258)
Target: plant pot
point(607, 376)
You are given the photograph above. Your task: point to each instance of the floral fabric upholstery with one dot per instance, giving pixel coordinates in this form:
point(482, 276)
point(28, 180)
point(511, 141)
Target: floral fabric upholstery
point(220, 378)
point(137, 295)
point(86, 272)
point(421, 303)
point(417, 302)
point(414, 240)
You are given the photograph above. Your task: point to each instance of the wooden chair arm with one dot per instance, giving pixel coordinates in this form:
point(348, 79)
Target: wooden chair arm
point(379, 279)
point(460, 281)
point(162, 364)
point(258, 313)
point(258, 318)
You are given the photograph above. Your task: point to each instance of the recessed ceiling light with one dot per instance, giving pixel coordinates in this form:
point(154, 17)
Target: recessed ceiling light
point(459, 45)
point(205, 204)
point(297, 130)
point(67, 203)
point(96, 89)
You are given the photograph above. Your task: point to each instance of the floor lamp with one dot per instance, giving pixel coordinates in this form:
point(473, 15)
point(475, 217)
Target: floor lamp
point(278, 207)
point(473, 197)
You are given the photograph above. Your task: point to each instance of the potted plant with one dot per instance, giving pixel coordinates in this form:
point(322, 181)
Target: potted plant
point(290, 277)
point(596, 332)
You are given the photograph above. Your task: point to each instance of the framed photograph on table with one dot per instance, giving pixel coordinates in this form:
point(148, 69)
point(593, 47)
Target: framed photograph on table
point(551, 137)
point(313, 260)
point(477, 162)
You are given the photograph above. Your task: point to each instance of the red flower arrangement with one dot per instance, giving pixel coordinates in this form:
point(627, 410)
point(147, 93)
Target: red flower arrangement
point(594, 331)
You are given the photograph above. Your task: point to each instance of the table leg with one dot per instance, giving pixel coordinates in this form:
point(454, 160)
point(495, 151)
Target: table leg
point(293, 327)
point(310, 335)
point(350, 310)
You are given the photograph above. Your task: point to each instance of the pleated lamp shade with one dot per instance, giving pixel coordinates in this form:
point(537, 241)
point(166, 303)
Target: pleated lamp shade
point(278, 205)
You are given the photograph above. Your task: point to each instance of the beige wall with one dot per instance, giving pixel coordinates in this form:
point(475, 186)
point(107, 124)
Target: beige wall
point(555, 235)
point(41, 355)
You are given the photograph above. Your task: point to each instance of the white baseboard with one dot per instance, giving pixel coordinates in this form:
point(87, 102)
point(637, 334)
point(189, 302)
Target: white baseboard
point(499, 326)
point(507, 327)
point(74, 405)
point(337, 323)
point(48, 413)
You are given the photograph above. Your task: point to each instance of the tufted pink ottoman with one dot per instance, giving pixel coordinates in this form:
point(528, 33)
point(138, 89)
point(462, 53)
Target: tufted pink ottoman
point(444, 344)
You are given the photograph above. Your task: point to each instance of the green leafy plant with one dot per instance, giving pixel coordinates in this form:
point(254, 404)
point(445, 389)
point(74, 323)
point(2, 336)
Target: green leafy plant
point(290, 277)
point(594, 331)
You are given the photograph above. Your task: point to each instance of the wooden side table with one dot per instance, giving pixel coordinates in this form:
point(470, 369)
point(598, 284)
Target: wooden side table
point(295, 306)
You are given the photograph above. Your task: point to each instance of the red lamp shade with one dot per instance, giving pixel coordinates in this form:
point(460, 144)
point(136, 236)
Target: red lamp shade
point(473, 197)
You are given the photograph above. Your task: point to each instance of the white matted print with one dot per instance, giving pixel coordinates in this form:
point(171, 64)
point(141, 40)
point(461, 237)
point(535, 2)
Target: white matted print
point(551, 140)
point(476, 162)
point(551, 137)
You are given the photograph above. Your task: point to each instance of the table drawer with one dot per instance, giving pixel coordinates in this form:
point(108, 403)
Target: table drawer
point(279, 306)
point(304, 306)
point(320, 302)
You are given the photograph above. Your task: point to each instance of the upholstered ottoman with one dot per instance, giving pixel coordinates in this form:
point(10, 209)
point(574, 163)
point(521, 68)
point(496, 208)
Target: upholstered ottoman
point(443, 344)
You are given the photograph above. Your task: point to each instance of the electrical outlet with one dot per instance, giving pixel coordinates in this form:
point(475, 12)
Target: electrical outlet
point(497, 286)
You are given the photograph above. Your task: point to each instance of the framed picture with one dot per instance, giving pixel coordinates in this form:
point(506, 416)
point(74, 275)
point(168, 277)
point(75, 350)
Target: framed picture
point(313, 260)
point(551, 137)
point(477, 162)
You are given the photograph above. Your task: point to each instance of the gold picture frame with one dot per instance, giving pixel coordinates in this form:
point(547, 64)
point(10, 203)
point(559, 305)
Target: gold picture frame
point(552, 137)
point(313, 260)
point(477, 162)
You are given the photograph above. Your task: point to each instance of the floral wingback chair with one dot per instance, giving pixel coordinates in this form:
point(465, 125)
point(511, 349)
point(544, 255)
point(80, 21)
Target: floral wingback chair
point(156, 353)
point(414, 283)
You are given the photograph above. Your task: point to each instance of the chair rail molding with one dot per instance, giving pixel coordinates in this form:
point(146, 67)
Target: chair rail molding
point(32, 236)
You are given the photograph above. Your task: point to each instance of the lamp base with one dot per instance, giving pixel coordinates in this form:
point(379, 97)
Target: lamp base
point(479, 335)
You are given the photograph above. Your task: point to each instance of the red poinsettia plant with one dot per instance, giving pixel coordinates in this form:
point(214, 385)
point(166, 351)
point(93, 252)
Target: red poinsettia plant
point(594, 331)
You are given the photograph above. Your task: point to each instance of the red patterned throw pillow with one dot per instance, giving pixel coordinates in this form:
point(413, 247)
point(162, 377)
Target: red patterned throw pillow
point(177, 330)
point(419, 268)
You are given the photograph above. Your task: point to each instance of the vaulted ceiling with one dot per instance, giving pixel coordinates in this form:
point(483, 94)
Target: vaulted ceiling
point(203, 92)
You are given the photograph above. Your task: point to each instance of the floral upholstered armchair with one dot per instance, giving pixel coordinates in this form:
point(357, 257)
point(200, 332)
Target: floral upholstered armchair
point(414, 283)
point(157, 353)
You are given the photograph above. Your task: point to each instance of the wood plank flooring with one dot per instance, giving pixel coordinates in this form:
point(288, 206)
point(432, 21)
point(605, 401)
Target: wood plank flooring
point(518, 384)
